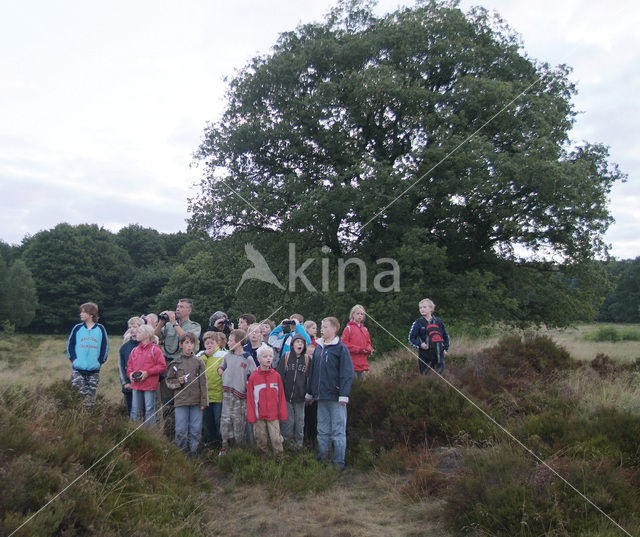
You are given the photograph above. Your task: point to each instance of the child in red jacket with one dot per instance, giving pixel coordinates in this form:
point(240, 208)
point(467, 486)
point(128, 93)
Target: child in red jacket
point(266, 404)
point(146, 363)
point(356, 338)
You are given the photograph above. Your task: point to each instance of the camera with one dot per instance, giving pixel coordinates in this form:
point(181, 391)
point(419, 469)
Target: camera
point(226, 322)
point(288, 321)
point(163, 317)
point(137, 376)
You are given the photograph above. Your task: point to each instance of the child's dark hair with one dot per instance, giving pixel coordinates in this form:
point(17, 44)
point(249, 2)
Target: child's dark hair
point(249, 317)
point(187, 335)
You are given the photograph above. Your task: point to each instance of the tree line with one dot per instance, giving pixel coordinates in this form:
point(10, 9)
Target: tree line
point(139, 270)
point(425, 136)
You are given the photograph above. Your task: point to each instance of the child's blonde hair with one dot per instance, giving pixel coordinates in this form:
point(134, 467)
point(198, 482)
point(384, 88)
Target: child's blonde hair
point(221, 339)
point(146, 329)
point(427, 301)
point(333, 321)
point(209, 335)
point(92, 309)
point(239, 336)
point(309, 324)
point(354, 309)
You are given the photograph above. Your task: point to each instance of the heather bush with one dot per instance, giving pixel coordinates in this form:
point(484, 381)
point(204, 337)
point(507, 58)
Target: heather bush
point(105, 478)
point(422, 411)
point(503, 492)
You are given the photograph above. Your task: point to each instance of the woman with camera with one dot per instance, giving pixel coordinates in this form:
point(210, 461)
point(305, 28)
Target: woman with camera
point(146, 363)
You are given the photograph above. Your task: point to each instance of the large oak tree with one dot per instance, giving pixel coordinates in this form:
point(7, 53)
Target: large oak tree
point(359, 128)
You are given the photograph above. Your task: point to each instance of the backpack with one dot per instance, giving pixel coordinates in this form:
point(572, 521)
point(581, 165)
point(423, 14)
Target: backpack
point(433, 333)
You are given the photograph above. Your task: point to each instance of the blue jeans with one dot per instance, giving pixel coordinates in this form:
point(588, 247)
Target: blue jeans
point(211, 423)
point(188, 428)
point(143, 401)
point(332, 430)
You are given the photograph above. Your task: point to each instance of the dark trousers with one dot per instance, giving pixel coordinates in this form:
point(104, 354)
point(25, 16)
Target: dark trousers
point(434, 359)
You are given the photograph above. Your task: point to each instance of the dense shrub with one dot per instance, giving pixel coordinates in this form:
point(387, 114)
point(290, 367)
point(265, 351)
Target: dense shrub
point(424, 410)
point(104, 478)
point(504, 493)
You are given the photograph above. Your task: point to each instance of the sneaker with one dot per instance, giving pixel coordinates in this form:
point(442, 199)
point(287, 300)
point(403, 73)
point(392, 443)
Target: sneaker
point(223, 452)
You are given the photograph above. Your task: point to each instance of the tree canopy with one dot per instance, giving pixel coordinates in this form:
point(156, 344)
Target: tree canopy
point(357, 128)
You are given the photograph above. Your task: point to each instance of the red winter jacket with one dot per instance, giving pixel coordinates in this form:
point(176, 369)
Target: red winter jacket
point(149, 358)
point(356, 338)
point(265, 396)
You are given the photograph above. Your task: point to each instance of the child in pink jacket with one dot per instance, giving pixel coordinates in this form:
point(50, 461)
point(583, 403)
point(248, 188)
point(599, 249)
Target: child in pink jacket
point(356, 338)
point(146, 364)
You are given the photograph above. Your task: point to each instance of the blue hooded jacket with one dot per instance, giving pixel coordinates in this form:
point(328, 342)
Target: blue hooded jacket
point(87, 348)
point(331, 374)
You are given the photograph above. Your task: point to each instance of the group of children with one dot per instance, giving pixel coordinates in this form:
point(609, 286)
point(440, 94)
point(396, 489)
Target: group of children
point(250, 384)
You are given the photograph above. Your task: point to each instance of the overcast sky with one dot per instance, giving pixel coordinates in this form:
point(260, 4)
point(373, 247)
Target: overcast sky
point(102, 104)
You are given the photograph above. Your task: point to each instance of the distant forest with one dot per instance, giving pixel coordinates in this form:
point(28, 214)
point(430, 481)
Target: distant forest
point(138, 270)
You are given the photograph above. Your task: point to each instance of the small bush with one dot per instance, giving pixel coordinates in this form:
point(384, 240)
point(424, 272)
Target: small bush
point(612, 334)
point(298, 473)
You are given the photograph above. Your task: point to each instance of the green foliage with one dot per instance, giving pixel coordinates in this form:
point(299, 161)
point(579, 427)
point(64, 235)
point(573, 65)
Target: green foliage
point(532, 354)
point(21, 294)
point(504, 494)
point(72, 265)
point(611, 333)
point(420, 411)
point(623, 305)
point(144, 245)
point(297, 473)
point(55, 449)
point(350, 133)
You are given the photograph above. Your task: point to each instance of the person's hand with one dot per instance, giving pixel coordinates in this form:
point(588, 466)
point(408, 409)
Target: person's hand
point(202, 408)
point(423, 346)
point(181, 380)
point(343, 403)
point(172, 316)
point(127, 386)
point(144, 376)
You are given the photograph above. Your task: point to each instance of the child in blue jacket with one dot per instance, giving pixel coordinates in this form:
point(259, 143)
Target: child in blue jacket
point(87, 348)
